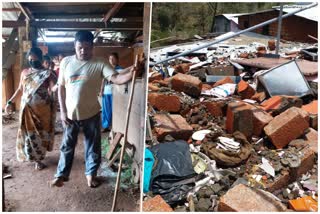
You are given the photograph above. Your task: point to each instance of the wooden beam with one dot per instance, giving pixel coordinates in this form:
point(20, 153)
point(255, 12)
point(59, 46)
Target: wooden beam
point(117, 6)
point(11, 9)
point(27, 15)
point(74, 25)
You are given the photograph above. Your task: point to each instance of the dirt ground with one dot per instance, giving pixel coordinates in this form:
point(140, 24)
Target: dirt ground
point(28, 189)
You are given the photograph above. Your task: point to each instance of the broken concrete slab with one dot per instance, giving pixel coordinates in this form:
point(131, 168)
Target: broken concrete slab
point(164, 102)
point(286, 127)
point(156, 204)
point(187, 84)
point(245, 199)
point(174, 125)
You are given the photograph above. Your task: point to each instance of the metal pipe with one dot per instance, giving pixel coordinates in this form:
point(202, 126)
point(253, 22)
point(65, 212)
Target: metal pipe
point(237, 33)
point(279, 28)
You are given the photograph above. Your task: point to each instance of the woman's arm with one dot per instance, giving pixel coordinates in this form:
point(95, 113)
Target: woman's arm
point(102, 87)
point(16, 94)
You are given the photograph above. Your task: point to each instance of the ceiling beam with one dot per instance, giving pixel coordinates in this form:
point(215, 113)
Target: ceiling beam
point(11, 9)
point(24, 11)
point(113, 11)
point(74, 25)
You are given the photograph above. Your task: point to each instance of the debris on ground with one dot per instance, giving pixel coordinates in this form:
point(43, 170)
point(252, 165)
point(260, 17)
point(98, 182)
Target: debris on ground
point(244, 123)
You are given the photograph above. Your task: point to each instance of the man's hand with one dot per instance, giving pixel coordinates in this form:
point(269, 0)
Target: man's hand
point(64, 119)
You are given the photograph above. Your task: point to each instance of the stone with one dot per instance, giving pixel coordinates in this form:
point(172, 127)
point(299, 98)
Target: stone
point(156, 204)
point(216, 188)
point(286, 127)
point(260, 120)
point(175, 125)
point(155, 76)
point(203, 205)
point(164, 102)
point(215, 108)
point(245, 90)
point(240, 118)
point(245, 199)
point(223, 81)
point(187, 84)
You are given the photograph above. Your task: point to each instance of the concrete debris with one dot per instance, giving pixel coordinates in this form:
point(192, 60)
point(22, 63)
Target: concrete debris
point(250, 119)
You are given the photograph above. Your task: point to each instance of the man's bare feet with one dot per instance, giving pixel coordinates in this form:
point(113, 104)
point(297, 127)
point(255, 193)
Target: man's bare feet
point(92, 181)
point(58, 182)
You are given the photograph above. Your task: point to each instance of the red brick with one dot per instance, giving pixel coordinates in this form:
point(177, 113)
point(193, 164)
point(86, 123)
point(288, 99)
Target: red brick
point(206, 87)
point(279, 104)
point(260, 120)
point(175, 125)
point(156, 204)
point(223, 81)
point(155, 76)
point(186, 83)
point(152, 87)
point(240, 118)
point(286, 127)
point(272, 45)
point(259, 96)
point(307, 161)
point(313, 121)
point(261, 48)
point(164, 102)
point(312, 138)
point(312, 107)
point(182, 68)
point(281, 181)
point(246, 199)
point(272, 103)
point(245, 90)
point(244, 55)
point(215, 108)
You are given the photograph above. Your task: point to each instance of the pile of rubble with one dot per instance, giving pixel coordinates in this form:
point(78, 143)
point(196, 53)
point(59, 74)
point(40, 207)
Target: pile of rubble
point(250, 120)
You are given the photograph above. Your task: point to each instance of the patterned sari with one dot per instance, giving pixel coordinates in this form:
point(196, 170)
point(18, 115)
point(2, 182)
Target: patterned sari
point(37, 117)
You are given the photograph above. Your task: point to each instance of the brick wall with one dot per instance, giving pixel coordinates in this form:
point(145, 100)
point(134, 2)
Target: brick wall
point(294, 28)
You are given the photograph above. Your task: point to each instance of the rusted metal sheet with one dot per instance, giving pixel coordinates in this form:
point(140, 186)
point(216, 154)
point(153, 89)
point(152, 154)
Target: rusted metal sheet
point(308, 68)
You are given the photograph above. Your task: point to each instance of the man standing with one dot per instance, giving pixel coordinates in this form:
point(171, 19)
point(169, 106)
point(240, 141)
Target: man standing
point(79, 84)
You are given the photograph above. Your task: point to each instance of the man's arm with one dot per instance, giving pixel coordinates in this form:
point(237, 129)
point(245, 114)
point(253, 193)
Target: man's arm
point(62, 103)
point(123, 77)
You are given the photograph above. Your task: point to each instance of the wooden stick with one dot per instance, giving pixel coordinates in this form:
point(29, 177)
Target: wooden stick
point(125, 136)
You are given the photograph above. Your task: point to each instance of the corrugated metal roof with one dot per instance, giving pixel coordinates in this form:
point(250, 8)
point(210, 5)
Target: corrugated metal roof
point(311, 13)
point(232, 17)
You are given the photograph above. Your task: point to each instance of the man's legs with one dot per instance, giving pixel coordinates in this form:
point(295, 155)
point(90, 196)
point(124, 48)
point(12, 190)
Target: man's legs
point(69, 141)
point(91, 130)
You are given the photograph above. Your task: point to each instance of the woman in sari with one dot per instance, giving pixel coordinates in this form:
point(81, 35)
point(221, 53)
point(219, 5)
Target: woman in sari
point(37, 111)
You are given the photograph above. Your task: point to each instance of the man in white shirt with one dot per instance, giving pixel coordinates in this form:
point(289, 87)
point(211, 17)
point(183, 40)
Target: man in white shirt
point(79, 83)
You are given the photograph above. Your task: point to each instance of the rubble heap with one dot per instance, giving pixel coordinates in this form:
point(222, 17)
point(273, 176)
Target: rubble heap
point(250, 119)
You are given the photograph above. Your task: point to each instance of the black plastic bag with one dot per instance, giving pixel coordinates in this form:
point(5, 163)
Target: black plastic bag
point(173, 176)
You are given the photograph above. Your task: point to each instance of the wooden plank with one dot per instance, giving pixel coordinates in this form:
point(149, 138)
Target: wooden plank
point(115, 157)
point(114, 144)
point(11, 9)
point(75, 25)
point(116, 7)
